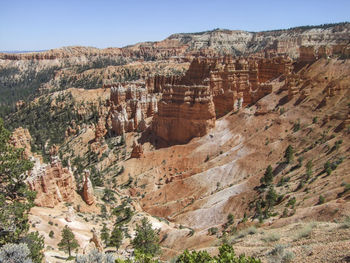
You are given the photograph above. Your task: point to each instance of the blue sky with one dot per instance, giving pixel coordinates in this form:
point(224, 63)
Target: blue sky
point(39, 24)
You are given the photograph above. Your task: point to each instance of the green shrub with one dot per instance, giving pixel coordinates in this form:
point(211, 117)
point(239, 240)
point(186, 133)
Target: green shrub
point(213, 231)
point(305, 231)
point(289, 154)
point(296, 126)
point(279, 254)
point(346, 223)
point(271, 237)
point(226, 255)
point(321, 200)
point(291, 202)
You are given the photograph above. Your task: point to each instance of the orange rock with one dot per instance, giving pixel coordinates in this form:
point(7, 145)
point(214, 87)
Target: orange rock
point(184, 112)
point(53, 183)
point(21, 139)
point(88, 191)
point(137, 150)
point(100, 130)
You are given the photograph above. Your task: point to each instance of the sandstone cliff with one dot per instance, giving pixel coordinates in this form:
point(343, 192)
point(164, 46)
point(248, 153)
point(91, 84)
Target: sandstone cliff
point(184, 112)
point(130, 105)
point(209, 43)
point(53, 183)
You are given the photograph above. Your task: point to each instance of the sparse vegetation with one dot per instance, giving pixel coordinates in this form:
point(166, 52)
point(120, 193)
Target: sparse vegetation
point(321, 200)
point(280, 255)
point(346, 223)
point(213, 231)
point(305, 231)
point(271, 237)
point(296, 126)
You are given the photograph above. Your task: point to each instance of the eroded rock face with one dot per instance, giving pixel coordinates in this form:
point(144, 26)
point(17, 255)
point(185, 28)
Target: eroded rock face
point(184, 112)
point(53, 183)
point(96, 240)
point(212, 88)
point(307, 54)
point(70, 215)
point(130, 105)
point(88, 191)
point(137, 150)
point(311, 53)
point(100, 130)
point(21, 139)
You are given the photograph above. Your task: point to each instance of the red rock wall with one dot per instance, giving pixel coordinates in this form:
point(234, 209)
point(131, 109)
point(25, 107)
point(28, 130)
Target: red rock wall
point(184, 112)
point(307, 54)
point(53, 184)
point(269, 69)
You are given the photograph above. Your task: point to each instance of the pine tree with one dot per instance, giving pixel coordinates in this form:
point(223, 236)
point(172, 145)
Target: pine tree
point(230, 219)
point(308, 169)
point(146, 240)
point(116, 238)
point(35, 243)
point(15, 198)
point(105, 234)
point(268, 176)
point(68, 241)
point(289, 154)
point(271, 197)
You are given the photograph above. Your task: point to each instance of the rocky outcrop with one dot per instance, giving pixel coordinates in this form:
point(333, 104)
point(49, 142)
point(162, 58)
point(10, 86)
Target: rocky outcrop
point(313, 52)
point(137, 150)
point(21, 139)
point(88, 191)
point(237, 83)
point(307, 54)
point(212, 88)
point(269, 69)
point(100, 130)
point(72, 129)
point(70, 214)
point(208, 43)
point(96, 240)
point(130, 105)
point(20, 105)
point(184, 112)
point(155, 84)
point(53, 183)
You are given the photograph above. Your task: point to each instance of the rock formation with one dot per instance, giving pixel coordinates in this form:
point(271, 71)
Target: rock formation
point(311, 53)
point(211, 88)
point(307, 54)
point(130, 105)
point(96, 240)
point(88, 191)
point(20, 105)
point(53, 183)
point(137, 150)
point(21, 139)
point(70, 215)
point(209, 43)
point(184, 112)
point(100, 130)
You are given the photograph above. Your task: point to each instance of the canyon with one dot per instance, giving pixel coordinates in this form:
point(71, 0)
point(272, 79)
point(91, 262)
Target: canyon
point(182, 132)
